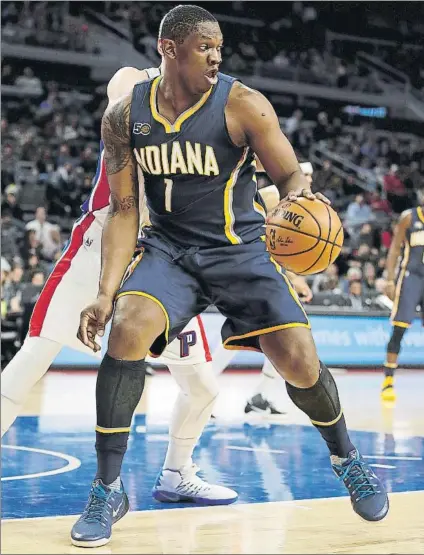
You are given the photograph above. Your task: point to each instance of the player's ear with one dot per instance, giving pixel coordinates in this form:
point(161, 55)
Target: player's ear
point(168, 48)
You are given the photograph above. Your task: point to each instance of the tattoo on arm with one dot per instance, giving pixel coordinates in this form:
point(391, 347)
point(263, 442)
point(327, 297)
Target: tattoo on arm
point(127, 203)
point(116, 136)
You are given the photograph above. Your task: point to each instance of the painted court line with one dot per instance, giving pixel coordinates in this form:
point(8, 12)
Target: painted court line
point(265, 450)
point(73, 463)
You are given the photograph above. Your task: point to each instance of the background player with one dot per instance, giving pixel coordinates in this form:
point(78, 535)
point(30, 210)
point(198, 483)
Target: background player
point(192, 132)
point(408, 292)
point(262, 399)
point(74, 283)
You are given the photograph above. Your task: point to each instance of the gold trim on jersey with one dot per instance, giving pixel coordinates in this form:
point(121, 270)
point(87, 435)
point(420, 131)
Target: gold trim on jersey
point(404, 265)
point(155, 300)
point(420, 213)
point(262, 331)
point(289, 285)
point(257, 207)
point(176, 126)
point(228, 202)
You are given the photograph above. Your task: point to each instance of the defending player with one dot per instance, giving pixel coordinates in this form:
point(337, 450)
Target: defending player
point(74, 283)
point(408, 292)
point(192, 132)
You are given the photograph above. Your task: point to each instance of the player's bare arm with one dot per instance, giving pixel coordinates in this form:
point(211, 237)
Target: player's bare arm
point(122, 223)
point(394, 251)
point(252, 121)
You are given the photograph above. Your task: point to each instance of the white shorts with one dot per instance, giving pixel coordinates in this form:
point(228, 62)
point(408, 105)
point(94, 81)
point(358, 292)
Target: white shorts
point(73, 284)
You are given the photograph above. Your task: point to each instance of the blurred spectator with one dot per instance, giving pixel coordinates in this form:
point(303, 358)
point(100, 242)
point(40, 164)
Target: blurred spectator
point(11, 202)
point(47, 233)
point(355, 299)
point(327, 280)
point(353, 274)
point(369, 277)
point(28, 81)
point(395, 190)
point(358, 213)
point(11, 235)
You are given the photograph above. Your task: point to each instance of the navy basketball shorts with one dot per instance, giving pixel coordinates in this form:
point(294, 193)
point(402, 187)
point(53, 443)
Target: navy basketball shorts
point(409, 294)
point(244, 283)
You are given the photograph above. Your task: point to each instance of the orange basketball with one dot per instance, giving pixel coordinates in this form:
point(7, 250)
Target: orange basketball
point(304, 236)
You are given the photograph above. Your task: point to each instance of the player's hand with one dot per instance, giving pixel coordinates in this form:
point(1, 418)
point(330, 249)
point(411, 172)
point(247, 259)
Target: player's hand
point(390, 290)
point(93, 320)
point(307, 193)
point(302, 288)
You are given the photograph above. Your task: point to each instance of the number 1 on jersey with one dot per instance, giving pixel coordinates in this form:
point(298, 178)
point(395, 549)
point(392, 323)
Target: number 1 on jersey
point(168, 194)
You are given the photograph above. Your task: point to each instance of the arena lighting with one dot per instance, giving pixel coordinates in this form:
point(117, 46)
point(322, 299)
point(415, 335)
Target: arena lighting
point(368, 112)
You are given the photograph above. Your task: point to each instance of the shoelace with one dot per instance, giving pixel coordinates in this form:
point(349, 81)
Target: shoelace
point(95, 508)
point(359, 478)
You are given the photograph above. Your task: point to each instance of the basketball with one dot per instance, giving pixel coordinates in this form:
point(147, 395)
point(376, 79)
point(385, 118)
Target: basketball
point(304, 236)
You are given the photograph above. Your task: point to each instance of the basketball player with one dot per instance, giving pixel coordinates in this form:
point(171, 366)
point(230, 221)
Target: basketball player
point(408, 292)
point(74, 283)
point(192, 132)
point(261, 401)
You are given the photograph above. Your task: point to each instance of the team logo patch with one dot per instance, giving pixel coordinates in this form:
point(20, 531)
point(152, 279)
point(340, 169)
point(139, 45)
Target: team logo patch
point(142, 128)
point(418, 225)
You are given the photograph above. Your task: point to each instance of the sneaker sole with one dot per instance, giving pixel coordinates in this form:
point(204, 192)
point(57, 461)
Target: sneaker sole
point(95, 543)
point(171, 497)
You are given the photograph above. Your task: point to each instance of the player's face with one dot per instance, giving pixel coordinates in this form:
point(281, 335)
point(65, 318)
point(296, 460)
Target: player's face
point(199, 57)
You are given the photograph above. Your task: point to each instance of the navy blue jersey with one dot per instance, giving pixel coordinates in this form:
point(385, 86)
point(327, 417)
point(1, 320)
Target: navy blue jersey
point(200, 188)
point(413, 252)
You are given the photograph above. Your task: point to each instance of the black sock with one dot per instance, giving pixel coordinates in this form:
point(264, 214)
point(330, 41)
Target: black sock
point(389, 372)
point(119, 387)
point(321, 403)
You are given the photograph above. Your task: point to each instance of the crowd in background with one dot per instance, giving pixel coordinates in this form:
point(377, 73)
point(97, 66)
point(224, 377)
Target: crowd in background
point(50, 141)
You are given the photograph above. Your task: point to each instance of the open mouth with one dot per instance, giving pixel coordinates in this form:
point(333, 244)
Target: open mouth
point(212, 75)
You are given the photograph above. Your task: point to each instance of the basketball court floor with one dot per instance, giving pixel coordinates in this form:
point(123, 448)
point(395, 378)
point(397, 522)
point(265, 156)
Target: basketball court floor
point(290, 501)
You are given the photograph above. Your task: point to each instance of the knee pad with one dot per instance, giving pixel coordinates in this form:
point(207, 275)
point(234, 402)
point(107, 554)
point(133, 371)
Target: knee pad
point(198, 382)
point(395, 340)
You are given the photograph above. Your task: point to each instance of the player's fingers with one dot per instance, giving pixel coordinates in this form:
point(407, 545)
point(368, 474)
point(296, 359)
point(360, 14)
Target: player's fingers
point(92, 331)
point(82, 330)
point(307, 193)
point(307, 296)
point(323, 198)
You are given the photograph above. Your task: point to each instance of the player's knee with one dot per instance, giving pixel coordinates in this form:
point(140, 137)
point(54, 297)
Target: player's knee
point(134, 329)
point(396, 340)
point(198, 382)
point(293, 354)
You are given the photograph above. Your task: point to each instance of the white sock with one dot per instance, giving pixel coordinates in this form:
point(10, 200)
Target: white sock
point(221, 358)
point(29, 364)
point(192, 410)
point(266, 384)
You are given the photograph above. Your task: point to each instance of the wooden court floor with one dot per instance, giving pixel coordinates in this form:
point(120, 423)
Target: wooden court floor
point(259, 454)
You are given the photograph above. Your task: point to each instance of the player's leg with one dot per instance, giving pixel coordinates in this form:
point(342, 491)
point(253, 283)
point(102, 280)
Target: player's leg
point(221, 358)
point(146, 311)
point(274, 320)
point(69, 288)
point(262, 398)
point(407, 297)
point(391, 362)
point(26, 368)
point(189, 361)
